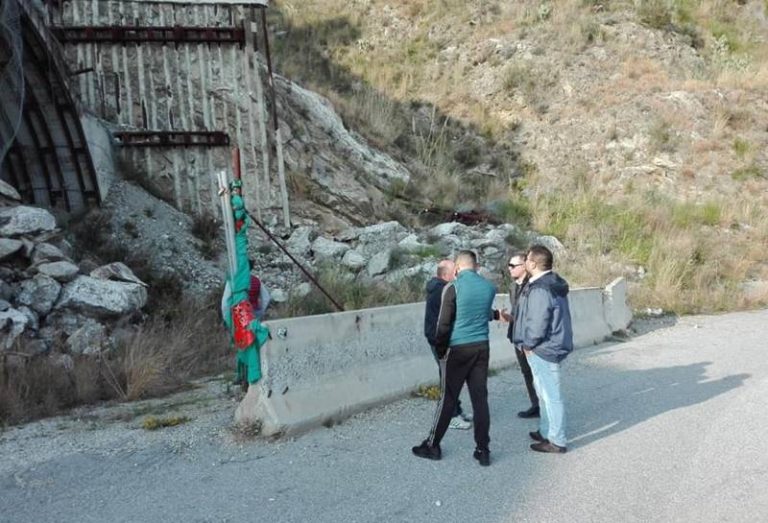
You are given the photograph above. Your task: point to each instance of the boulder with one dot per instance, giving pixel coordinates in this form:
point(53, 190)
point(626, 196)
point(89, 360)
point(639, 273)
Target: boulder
point(6, 290)
point(62, 271)
point(279, 296)
point(33, 323)
point(551, 243)
point(39, 293)
point(9, 191)
point(90, 339)
point(411, 243)
point(379, 263)
point(300, 241)
point(445, 229)
point(9, 247)
point(326, 249)
point(45, 253)
point(354, 260)
point(12, 325)
point(425, 270)
point(15, 221)
point(102, 298)
point(302, 289)
point(375, 238)
point(116, 271)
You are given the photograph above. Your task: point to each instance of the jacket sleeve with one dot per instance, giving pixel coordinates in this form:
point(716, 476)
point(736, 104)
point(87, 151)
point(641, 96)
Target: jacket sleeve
point(445, 319)
point(538, 317)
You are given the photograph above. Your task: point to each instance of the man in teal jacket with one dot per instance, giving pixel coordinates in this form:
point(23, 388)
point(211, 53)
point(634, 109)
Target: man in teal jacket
point(461, 343)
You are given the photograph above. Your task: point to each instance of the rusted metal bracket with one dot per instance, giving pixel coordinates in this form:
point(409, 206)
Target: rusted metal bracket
point(141, 34)
point(172, 138)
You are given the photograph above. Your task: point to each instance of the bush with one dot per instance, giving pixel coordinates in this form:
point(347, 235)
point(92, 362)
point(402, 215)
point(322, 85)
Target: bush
point(206, 228)
point(154, 358)
point(352, 293)
point(751, 172)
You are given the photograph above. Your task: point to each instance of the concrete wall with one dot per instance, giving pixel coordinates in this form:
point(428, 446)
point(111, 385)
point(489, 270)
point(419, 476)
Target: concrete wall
point(325, 368)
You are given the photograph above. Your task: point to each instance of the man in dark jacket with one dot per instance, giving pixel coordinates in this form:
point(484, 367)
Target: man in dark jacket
point(519, 277)
point(543, 329)
point(461, 343)
point(445, 274)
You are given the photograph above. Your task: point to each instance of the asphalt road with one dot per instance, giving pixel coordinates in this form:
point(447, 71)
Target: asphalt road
point(668, 426)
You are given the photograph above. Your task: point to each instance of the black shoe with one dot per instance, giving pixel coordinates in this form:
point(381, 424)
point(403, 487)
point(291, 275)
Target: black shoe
point(533, 412)
point(546, 446)
point(536, 436)
point(425, 450)
point(483, 456)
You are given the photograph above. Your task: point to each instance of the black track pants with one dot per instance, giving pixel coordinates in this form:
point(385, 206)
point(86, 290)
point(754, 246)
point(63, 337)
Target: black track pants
point(527, 376)
point(464, 363)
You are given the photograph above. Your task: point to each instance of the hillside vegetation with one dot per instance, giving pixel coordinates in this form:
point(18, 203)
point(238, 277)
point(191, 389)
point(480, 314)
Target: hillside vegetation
point(633, 131)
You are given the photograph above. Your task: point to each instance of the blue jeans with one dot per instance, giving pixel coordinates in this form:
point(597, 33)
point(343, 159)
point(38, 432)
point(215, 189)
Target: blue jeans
point(546, 379)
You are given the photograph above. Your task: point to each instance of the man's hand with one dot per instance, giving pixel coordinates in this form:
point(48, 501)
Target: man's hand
point(506, 317)
point(441, 352)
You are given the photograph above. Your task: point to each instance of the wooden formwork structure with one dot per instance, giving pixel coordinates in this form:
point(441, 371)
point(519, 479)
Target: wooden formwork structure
point(172, 78)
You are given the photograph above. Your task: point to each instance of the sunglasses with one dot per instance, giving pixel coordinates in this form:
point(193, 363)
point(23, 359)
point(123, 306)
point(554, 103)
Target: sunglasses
point(513, 265)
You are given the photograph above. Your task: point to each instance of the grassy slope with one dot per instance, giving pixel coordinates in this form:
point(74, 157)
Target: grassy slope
point(640, 126)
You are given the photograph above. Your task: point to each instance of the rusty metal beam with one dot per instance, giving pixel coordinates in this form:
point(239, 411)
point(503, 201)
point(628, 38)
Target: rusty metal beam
point(172, 138)
point(141, 34)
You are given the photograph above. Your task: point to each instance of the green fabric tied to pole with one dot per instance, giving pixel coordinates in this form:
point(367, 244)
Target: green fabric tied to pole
point(248, 360)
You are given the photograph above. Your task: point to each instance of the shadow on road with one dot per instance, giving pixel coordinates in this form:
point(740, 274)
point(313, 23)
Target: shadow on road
point(620, 399)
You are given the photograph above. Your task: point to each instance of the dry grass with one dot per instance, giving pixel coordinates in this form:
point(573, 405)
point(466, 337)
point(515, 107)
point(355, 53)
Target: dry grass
point(679, 244)
point(155, 358)
point(686, 240)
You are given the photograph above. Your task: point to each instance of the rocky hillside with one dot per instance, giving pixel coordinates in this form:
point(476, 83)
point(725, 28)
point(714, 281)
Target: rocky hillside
point(633, 131)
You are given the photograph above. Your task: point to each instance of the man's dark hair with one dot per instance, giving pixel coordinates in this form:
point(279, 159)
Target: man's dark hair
point(517, 254)
point(467, 254)
point(542, 256)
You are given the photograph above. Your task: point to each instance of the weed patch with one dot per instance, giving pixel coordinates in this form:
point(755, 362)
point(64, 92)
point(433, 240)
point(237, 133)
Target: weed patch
point(155, 423)
point(431, 392)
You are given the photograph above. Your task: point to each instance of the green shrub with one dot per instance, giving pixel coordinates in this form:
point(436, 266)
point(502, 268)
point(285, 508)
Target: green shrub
point(688, 214)
point(750, 172)
point(154, 423)
point(662, 137)
point(741, 147)
point(515, 210)
point(654, 13)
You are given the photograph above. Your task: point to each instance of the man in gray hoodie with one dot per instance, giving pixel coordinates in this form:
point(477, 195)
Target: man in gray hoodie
point(543, 329)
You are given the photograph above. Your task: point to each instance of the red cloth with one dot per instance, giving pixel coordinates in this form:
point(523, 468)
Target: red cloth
point(254, 291)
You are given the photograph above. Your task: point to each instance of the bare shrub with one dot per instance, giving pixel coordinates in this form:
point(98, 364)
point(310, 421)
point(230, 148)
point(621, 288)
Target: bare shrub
point(155, 358)
point(206, 228)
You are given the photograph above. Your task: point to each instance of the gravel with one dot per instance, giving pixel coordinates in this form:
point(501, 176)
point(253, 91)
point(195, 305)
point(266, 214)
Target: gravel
point(652, 421)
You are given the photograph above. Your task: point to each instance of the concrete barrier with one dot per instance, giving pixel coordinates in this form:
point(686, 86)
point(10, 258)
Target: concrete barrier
point(322, 369)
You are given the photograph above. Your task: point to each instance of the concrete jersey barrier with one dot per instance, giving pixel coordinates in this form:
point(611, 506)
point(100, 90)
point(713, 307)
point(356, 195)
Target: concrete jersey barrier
point(322, 369)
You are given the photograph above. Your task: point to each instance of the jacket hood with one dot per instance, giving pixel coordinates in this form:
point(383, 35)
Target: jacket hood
point(556, 284)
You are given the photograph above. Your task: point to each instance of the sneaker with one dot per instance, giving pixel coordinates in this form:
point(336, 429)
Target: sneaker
point(425, 450)
point(536, 436)
point(546, 446)
point(483, 456)
point(466, 416)
point(457, 422)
